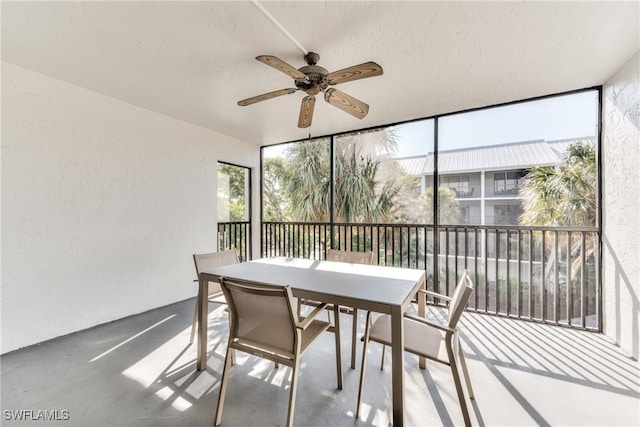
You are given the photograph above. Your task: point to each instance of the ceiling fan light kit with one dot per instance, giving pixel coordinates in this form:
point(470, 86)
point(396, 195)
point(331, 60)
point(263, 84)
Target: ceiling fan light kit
point(314, 79)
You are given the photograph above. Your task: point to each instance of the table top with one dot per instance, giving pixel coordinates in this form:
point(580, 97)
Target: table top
point(366, 286)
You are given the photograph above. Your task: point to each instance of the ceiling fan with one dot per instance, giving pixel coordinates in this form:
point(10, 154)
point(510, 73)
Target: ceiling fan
point(314, 79)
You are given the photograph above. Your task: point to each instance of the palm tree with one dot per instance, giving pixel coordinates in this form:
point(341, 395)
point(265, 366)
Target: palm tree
point(361, 193)
point(308, 186)
point(564, 196)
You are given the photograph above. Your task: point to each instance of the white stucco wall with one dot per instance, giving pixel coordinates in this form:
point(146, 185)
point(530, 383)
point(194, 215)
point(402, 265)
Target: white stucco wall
point(103, 204)
point(621, 207)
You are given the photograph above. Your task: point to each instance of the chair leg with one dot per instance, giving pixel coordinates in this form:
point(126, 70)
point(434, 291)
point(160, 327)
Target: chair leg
point(465, 371)
point(458, 383)
point(223, 385)
point(384, 347)
point(336, 316)
point(233, 352)
point(292, 391)
point(354, 337)
point(193, 324)
point(364, 362)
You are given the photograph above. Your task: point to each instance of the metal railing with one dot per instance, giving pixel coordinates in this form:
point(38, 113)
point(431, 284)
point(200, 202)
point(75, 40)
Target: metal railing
point(545, 274)
point(235, 235)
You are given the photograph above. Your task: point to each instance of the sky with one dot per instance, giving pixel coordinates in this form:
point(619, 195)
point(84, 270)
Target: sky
point(568, 116)
point(560, 117)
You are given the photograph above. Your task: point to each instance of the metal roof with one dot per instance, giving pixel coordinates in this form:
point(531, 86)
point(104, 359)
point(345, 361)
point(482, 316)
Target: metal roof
point(518, 155)
point(414, 165)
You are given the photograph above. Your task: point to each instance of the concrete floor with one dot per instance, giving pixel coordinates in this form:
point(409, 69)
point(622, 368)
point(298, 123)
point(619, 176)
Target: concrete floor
point(140, 371)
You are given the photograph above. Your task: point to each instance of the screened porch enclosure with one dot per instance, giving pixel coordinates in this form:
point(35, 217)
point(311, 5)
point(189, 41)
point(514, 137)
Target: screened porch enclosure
point(504, 192)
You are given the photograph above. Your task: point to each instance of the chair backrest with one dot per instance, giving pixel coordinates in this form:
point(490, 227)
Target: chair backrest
point(459, 299)
point(348, 256)
point(261, 316)
point(212, 260)
point(215, 259)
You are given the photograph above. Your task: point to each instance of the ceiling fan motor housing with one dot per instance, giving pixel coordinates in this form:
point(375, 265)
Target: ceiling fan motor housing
point(316, 75)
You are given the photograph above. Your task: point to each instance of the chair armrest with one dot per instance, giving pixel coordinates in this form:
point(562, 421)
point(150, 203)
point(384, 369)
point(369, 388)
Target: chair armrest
point(429, 323)
point(310, 318)
point(434, 294)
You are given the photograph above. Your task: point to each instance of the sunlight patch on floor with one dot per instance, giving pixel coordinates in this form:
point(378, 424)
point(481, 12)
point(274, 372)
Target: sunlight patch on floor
point(130, 339)
point(179, 403)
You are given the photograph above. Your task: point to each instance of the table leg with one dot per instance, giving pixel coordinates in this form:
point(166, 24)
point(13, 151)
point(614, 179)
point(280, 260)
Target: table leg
point(397, 365)
point(203, 311)
point(422, 312)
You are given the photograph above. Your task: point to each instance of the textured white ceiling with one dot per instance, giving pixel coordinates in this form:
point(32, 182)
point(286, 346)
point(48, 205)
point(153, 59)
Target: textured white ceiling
point(195, 60)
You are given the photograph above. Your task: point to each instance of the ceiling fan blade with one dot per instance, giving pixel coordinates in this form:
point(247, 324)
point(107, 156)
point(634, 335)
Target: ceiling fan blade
point(280, 65)
point(346, 103)
point(265, 96)
point(306, 111)
point(357, 72)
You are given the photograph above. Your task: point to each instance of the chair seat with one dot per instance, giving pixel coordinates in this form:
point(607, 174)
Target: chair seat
point(418, 338)
point(311, 333)
point(217, 298)
point(308, 335)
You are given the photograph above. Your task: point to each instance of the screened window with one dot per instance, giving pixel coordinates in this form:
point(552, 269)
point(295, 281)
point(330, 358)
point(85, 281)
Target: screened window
point(233, 192)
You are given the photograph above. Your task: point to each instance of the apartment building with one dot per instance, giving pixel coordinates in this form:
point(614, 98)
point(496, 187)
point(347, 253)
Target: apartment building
point(487, 180)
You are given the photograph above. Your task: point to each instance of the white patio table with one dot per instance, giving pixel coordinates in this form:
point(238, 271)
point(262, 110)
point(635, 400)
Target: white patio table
point(375, 288)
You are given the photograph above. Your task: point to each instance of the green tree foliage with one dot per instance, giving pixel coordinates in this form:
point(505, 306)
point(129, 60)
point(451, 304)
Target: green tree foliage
point(370, 185)
point(274, 178)
point(562, 196)
point(236, 193)
point(298, 186)
point(308, 180)
point(362, 196)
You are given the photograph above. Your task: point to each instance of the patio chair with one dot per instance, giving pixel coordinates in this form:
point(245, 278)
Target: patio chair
point(263, 323)
point(205, 262)
point(432, 340)
point(354, 258)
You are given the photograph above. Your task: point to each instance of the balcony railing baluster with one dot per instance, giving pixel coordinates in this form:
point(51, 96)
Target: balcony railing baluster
point(583, 281)
point(569, 297)
point(508, 272)
point(556, 284)
point(543, 292)
point(531, 312)
point(235, 235)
